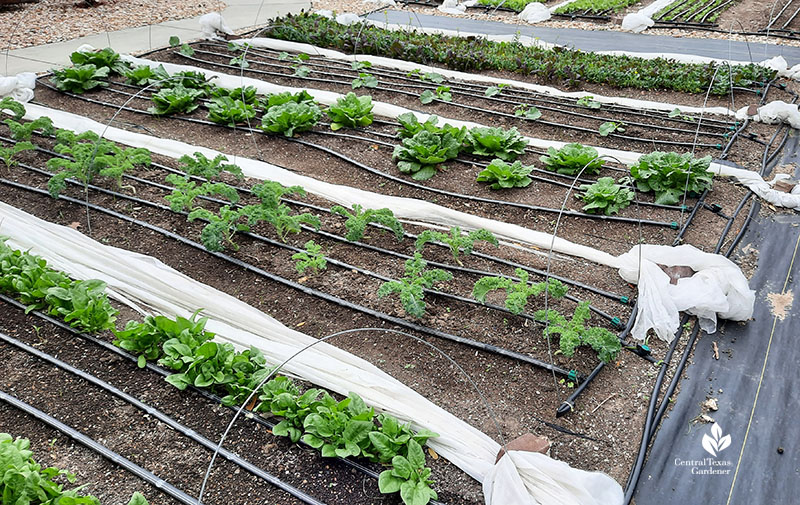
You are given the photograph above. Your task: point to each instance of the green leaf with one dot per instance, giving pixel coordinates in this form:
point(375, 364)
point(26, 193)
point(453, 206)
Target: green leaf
point(572, 159)
point(388, 483)
point(174, 41)
point(138, 499)
point(187, 50)
point(351, 111)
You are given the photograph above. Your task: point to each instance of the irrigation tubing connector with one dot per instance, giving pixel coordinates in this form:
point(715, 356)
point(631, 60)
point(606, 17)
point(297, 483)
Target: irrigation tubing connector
point(162, 417)
point(104, 451)
point(310, 291)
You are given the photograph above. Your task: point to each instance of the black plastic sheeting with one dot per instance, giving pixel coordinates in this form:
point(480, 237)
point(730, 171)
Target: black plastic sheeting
point(590, 40)
point(766, 448)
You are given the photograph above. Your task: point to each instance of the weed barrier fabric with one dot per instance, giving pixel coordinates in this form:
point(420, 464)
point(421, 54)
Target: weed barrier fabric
point(149, 286)
point(718, 288)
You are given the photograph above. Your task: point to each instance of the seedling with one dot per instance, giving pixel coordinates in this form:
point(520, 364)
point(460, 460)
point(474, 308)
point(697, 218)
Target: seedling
point(411, 286)
point(455, 240)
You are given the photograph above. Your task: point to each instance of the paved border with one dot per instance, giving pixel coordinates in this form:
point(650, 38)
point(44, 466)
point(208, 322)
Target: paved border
point(238, 14)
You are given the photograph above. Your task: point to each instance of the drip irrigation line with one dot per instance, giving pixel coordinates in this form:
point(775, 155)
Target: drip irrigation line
point(400, 180)
point(462, 196)
point(306, 290)
point(199, 391)
point(95, 446)
point(465, 91)
point(461, 105)
point(511, 92)
point(164, 418)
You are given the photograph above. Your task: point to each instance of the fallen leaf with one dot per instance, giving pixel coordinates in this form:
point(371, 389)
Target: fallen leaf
point(300, 324)
point(74, 225)
point(433, 453)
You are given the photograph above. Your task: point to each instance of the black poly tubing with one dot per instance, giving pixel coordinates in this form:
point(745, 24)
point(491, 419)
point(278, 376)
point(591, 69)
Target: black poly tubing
point(107, 453)
point(157, 414)
point(304, 289)
point(399, 180)
point(201, 392)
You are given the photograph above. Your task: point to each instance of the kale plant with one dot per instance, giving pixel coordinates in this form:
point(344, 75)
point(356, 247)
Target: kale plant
point(517, 293)
point(573, 333)
point(312, 258)
point(199, 165)
point(411, 287)
point(456, 241)
point(358, 220)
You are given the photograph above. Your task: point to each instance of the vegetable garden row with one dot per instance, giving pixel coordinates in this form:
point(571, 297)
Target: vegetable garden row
point(534, 330)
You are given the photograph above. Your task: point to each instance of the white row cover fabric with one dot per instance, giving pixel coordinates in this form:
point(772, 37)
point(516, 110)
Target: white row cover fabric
point(642, 19)
point(19, 87)
point(452, 7)
point(777, 112)
point(146, 284)
point(212, 23)
point(418, 211)
point(407, 66)
point(535, 13)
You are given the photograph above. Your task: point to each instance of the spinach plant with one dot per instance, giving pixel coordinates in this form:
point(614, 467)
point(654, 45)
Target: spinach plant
point(456, 241)
point(358, 220)
point(496, 142)
point(571, 159)
point(605, 196)
point(502, 175)
point(351, 111)
point(409, 476)
point(146, 338)
point(339, 428)
point(517, 293)
point(411, 286)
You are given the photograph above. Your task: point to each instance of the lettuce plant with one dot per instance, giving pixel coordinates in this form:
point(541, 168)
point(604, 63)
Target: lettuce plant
point(144, 75)
point(502, 175)
point(230, 112)
point(421, 154)
point(571, 159)
point(351, 111)
point(80, 79)
point(291, 117)
point(605, 196)
point(496, 142)
point(410, 126)
point(101, 58)
point(275, 99)
point(245, 94)
point(670, 174)
point(177, 99)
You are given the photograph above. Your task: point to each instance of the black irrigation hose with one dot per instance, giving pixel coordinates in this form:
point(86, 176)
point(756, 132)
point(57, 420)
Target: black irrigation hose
point(400, 180)
point(463, 106)
point(199, 391)
point(95, 446)
point(306, 290)
point(164, 418)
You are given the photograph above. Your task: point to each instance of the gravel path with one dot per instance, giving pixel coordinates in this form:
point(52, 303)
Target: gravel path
point(48, 21)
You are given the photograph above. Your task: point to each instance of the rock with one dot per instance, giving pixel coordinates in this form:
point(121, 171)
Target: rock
point(711, 404)
point(527, 442)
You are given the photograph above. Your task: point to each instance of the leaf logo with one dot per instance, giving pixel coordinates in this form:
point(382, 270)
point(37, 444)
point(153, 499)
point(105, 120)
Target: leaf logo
point(716, 442)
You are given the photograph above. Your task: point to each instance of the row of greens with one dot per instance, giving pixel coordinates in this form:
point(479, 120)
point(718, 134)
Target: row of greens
point(337, 428)
point(557, 64)
point(595, 7)
point(23, 481)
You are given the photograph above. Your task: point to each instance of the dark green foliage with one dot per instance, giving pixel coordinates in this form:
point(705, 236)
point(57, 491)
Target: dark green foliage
point(455, 240)
point(80, 79)
point(221, 227)
point(517, 293)
point(358, 220)
point(411, 286)
point(248, 94)
point(230, 112)
point(24, 131)
point(605, 196)
point(145, 75)
point(573, 333)
point(200, 166)
point(312, 258)
point(669, 175)
point(7, 154)
point(101, 58)
point(410, 126)
point(275, 99)
point(11, 105)
point(177, 99)
point(146, 338)
point(502, 175)
point(187, 190)
point(571, 159)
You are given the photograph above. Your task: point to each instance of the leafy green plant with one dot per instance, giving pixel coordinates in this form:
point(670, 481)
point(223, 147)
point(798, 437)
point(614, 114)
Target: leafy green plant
point(573, 333)
point(514, 5)
point(442, 93)
point(360, 65)
point(146, 338)
point(275, 99)
point(676, 112)
point(502, 175)
point(433, 77)
point(421, 154)
point(495, 90)
point(610, 127)
point(90, 156)
point(669, 174)
point(290, 118)
point(199, 165)
point(80, 79)
point(145, 75)
point(186, 50)
point(496, 142)
point(186, 191)
point(605, 196)
point(365, 80)
point(392, 438)
point(351, 111)
point(278, 214)
point(221, 227)
point(177, 99)
point(101, 58)
point(358, 220)
point(83, 304)
point(230, 112)
point(7, 154)
point(247, 94)
point(312, 258)
point(571, 159)
point(192, 79)
point(589, 101)
point(457, 241)
point(411, 286)
point(24, 131)
point(527, 111)
point(13, 106)
point(301, 70)
point(409, 476)
point(517, 293)
point(239, 61)
point(282, 398)
point(410, 126)
point(339, 428)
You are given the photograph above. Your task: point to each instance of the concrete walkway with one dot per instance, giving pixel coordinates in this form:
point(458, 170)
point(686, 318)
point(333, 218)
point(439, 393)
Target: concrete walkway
point(588, 40)
point(239, 14)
